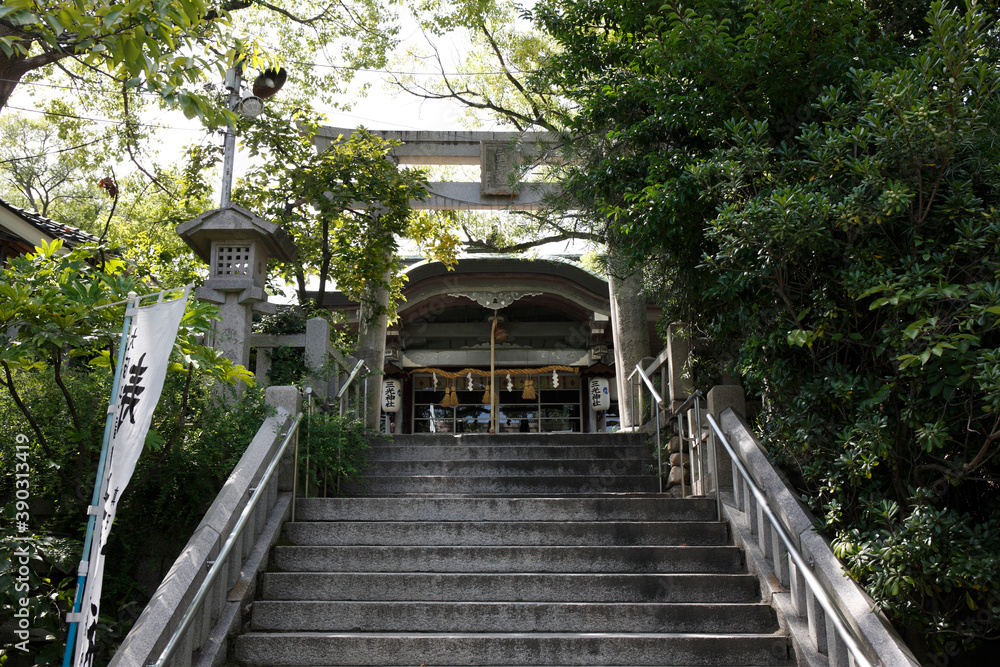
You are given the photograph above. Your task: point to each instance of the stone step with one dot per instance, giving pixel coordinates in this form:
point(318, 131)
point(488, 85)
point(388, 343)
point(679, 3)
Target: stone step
point(507, 533)
point(528, 485)
point(689, 559)
point(510, 587)
point(423, 616)
point(520, 439)
point(511, 467)
point(607, 508)
point(463, 452)
point(304, 648)
point(511, 549)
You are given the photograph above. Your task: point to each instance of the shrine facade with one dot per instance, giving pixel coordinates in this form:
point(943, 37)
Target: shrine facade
point(521, 339)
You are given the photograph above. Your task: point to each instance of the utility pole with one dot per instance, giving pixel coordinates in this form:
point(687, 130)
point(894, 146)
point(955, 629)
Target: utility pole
point(234, 78)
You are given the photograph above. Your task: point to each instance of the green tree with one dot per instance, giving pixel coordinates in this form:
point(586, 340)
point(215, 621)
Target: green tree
point(171, 46)
point(44, 165)
point(58, 343)
point(54, 325)
point(491, 79)
point(346, 207)
point(813, 184)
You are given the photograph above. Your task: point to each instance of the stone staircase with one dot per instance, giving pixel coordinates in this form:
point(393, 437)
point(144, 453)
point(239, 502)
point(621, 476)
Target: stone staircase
point(519, 549)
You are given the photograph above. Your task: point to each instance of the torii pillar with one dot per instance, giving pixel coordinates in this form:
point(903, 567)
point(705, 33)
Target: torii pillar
point(236, 245)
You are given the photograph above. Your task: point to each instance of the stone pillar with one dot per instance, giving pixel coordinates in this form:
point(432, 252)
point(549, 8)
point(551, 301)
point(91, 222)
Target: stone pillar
point(287, 400)
point(263, 365)
point(232, 333)
point(721, 397)
point(317, 345)
point(631, 338)
point(678, 351)
point(371, 346)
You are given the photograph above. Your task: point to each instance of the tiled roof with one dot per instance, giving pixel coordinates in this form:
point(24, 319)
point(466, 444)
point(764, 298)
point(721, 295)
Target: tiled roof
point(71, 236)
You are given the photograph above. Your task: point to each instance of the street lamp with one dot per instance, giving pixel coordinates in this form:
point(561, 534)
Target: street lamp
point(267, 84)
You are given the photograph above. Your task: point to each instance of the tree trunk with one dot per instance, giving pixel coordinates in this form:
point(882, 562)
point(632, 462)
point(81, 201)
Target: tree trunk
point(371, 344)
point(631, 336)
point(14, 67)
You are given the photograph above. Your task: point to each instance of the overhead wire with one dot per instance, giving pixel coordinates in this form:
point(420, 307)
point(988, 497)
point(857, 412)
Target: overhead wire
point(168, 127)
point(101, 120)
point(52, 152)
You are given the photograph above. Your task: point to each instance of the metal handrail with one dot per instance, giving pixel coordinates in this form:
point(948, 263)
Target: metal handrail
point(347, 385)
point(656, 416)
point(833, 612)
point(350, 378)
point(687, 402)
point(694, 400)
point(649, 384)
point(220, 560)
point(696, 438)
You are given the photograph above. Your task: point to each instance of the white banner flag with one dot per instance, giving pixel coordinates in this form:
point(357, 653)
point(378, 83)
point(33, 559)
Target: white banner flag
point(140, 382)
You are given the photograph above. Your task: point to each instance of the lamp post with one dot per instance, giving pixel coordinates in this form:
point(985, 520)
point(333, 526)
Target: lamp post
point(250, 105)
point(234, 78)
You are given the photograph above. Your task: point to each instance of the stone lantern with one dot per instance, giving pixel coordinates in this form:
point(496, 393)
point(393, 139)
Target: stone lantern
point(236, 245)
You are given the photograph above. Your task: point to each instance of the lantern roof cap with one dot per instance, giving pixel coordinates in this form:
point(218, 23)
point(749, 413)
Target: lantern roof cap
point(234, 223)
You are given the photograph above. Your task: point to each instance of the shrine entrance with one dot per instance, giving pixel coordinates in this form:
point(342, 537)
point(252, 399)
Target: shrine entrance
point(526, 403)
point(538, 326)
point(570, 332)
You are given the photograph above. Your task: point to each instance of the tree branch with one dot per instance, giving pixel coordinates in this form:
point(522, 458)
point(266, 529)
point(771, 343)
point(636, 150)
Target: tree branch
point(467, 97)
point(130, 131)
point(510, 77)
point(42, 440)
point(57, 372)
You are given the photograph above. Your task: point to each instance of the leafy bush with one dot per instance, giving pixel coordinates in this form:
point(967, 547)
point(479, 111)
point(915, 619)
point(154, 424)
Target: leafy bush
point(833, 214)
point(56, 347)
point(334, 450)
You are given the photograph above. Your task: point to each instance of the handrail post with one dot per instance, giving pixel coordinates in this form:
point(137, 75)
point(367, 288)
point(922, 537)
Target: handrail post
point(631, 401)
point(715, 476)
point(680, 450)
point(659, 448)
point(295, 467)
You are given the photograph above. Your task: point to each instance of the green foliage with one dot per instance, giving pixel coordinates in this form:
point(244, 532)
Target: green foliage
point(490, 80)
point(139, 43)
point(333, 450)
point(285, 321)
point(38, 173)
point(40, 571)
point(315, 196)
point(928, 554)
point(173, 47)
point(58, 344)
point(53, 166)
point(818, 187)
point(288, 366)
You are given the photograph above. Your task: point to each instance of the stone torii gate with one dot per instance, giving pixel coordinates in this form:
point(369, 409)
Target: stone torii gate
point(501, 157)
